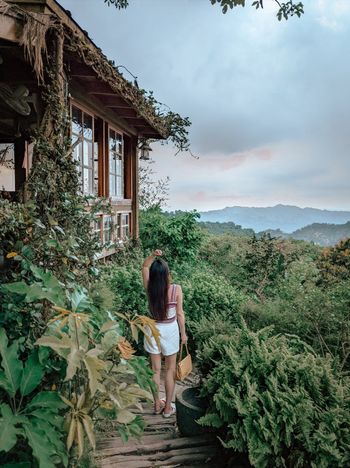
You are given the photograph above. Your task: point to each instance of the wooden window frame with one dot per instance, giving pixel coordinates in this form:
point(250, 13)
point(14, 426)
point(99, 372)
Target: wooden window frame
point(121, 177)
point(82, 167)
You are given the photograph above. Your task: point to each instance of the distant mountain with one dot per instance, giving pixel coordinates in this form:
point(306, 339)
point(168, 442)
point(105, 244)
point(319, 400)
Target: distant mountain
point(287, 218)
point(321, 234)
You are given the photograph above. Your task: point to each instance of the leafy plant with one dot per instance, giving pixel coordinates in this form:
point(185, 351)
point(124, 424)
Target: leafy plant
point(274, 398)
point(96, 383)
point(34, 419)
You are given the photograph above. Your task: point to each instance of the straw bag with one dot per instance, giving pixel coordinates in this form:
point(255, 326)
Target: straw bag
point(184, 366)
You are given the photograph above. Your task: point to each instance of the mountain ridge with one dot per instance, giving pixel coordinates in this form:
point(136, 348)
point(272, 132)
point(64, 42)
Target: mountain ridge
point(288, 218)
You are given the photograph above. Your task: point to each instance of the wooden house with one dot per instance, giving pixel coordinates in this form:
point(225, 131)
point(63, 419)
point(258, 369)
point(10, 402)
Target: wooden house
point(110, 117)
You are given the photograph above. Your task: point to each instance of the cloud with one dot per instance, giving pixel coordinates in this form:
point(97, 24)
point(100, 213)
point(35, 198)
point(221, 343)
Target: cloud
point(269, 100)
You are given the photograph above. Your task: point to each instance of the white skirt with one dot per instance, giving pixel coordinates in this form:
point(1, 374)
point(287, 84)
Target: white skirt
point(169, 339)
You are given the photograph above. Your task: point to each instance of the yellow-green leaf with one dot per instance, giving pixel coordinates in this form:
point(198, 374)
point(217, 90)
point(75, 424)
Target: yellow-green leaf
point(71, 433)
point(125, 416)
point(89, 429)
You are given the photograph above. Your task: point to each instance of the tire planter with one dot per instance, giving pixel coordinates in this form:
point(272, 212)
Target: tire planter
point(189, 408)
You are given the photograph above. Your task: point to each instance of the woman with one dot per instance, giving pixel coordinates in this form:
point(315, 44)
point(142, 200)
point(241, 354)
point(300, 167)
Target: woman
point(165, 302)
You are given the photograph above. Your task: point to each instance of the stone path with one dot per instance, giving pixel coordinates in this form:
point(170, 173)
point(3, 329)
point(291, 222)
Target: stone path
point(160, 446)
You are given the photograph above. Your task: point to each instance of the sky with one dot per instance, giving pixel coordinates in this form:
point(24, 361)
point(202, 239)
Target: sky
point(269, 101)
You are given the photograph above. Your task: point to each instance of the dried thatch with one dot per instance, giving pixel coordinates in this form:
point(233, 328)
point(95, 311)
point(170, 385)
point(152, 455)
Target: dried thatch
point(33, 37)
point(99, 63)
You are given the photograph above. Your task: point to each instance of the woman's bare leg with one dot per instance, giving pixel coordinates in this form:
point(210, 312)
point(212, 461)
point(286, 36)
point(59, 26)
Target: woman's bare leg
point(156, 361)
point(170, 373)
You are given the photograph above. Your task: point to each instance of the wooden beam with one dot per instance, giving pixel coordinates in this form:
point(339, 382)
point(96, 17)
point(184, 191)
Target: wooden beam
point(9, 28)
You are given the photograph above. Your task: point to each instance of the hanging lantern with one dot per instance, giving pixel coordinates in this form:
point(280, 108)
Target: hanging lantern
point(145, 149)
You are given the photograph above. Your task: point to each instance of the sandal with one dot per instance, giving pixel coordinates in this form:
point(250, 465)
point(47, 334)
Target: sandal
point(172, 412)
point(162, 406)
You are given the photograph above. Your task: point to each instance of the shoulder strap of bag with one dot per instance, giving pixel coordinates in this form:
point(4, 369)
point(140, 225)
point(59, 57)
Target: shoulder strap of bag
point(181, 349)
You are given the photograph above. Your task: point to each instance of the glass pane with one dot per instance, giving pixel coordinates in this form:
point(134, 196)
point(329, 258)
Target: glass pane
point(87, 126)
point(95, 168)
point(91, 181)
point(118, 187)
point(118, 169)
point(112, 168)
point(112, 141)
point(77, 118)
point(85, 180)
point(98, 224)
point(119, 143)
point(7, 167)
point(90, 153)
point(85, 153)
point(112, 191)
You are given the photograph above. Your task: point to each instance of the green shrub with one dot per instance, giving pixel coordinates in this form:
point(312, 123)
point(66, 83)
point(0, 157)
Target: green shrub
point(206, 292)
point(179, 235)
point(126, 284)
point(274, 398)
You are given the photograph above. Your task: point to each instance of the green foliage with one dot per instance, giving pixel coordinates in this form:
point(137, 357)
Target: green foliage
point(205, 292)
point(152, 194)
point(264, 265)
point(285, 9)
point(129, 293)
point(274, 398)
point(36, 419)
point(225, 228)
point(334, 263)
point(178, 236)
point(320, 316)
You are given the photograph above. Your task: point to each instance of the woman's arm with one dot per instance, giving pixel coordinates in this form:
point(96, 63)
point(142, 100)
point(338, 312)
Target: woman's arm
point(180, 314)
point(146, 265)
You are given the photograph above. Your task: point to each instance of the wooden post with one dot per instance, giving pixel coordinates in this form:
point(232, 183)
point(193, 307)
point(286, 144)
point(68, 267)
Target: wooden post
point(135, 187)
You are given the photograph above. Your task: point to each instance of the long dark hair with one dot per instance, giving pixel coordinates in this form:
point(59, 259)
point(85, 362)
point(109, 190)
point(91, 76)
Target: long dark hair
point(158, 285)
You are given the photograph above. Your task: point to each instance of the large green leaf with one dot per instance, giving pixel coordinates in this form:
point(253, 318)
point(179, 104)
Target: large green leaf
point(4, 383)
point(10, 363)
point(32, 374)
point(20, 287)
point(35, 293)
point(41, 447)
point(80, 301)
point(8, 430)
point(50, 400)
point(48, 415)
point(53, 436)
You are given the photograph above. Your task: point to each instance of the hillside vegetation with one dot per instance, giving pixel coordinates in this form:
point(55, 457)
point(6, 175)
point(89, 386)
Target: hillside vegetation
point(269, 322)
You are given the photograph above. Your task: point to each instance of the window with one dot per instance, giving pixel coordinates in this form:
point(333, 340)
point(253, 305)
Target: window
point(7, 167)
point(107, 229)
point(125, 225)
point(85, 150)
point(116, 164)
point(98, 227)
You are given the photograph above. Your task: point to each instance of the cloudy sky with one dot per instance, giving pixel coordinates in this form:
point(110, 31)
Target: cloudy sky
point(269, 102)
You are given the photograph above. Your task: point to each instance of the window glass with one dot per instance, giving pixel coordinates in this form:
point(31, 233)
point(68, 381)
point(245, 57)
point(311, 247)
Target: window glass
point(125, 225)
point(86, 151)
point(7, 167)
point(107, 229)
point(116, 164)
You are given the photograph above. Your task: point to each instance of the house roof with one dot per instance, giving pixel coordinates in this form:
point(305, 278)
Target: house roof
point(87, 64)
